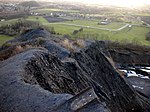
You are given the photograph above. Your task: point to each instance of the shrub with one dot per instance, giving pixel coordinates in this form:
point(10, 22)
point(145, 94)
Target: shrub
point(75, 32)
point(7, 44)
point(80, 43)
point(136, 41)
point(81, 29)
point(67, 44)
point(66, 36)
point(148, 36)
point(40, 40)
point(50, 29)
point(18, 27)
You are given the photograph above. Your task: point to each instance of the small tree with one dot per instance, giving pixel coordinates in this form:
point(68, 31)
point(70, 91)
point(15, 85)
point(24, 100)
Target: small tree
point(75, 32)
point(81, 29)
point(148, 36)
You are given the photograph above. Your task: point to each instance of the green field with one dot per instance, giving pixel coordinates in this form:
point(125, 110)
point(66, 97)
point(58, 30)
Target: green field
point(39, 19)
point(63, 28)
point(94, 23)
point(4, 38)
point(8, 22)
point(134, 35)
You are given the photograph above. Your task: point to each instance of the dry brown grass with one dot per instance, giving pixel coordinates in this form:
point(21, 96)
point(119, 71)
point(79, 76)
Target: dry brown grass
point(73, 45)
point(68, 45)
point(80, 43)
point(13, 50)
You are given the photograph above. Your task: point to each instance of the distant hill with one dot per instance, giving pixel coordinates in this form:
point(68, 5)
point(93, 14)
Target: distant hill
point(3, 1)
point(30, 4)
point(11, 1)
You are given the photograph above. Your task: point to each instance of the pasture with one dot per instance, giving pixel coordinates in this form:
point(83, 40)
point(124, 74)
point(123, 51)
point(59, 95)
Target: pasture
point(135, 34)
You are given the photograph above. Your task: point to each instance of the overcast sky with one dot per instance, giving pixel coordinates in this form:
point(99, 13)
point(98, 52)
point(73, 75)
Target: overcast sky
point(115, 2)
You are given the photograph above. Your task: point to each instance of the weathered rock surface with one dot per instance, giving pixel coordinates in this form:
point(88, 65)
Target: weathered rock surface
point(31, 34)
point(41, 81)
point(18, 95)
point(141, 85)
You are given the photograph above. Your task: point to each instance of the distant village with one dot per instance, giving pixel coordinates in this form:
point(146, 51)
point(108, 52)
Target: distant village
point(12, 10)
point(16, 10)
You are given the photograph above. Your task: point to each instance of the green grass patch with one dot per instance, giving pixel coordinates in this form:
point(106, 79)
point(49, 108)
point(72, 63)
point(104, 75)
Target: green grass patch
point(12, 21)
point(4, 38)
point(94, 23)
point(39, 19)
point(134, 35)
point(62, 29)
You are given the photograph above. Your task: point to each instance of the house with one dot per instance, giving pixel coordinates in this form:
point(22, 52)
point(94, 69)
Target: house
point(104, 22)
point(2, 19)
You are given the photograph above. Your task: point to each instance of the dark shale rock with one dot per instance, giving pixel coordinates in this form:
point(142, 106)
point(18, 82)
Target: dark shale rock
point(47, 81)
point(84, 69)
point(20, 92)
point(34, 38)
point(32, 34)
point(141, 85)
point(18, 96)
point(56, 49)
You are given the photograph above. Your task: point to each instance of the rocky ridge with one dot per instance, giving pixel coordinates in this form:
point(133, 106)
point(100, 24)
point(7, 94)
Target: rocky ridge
point(49, 77)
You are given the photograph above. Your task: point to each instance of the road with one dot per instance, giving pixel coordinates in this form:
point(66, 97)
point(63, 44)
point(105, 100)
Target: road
point(91, 27)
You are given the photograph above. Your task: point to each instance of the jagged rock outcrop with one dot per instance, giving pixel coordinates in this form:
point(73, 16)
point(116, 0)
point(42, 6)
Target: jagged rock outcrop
point(39, 80)
point(30, 35)
point(33, 38)
point(19, 95)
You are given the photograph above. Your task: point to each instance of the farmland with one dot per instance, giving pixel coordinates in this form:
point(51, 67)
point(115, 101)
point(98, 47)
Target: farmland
point(115, 30)
point(94, 23)
point(136, 34)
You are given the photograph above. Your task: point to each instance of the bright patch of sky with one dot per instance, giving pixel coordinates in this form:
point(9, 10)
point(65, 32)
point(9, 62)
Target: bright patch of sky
point(124, 3)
